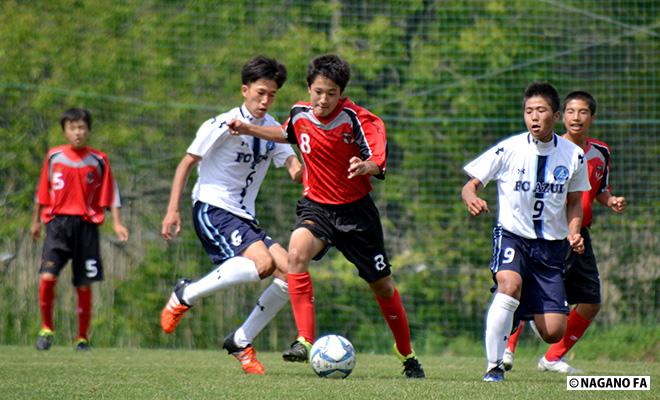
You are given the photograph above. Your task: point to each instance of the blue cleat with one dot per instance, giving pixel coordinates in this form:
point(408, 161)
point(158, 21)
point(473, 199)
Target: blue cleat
point(494, 375)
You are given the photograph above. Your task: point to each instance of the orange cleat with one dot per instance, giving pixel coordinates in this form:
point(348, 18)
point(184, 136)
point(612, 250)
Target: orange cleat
point(248, 359)
point(174, 309)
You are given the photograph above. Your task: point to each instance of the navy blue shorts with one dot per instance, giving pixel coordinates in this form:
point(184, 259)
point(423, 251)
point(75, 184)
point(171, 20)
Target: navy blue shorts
point(582, 280)
point(69, 237)
point(353, 228)
point(223, 234)
point(540, 263)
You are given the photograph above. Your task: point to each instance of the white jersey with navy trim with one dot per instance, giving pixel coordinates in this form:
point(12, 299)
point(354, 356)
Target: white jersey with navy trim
point(232, 168)
point(533, 181)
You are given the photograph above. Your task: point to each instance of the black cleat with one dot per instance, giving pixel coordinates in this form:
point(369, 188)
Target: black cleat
point(44, 339)
point(83, 345)
point(413, 369)
point(298, 352)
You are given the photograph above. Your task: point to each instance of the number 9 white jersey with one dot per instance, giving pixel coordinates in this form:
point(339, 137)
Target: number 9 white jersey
point(533, 181)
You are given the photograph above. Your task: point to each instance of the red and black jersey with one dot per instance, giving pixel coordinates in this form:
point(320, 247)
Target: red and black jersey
point(75, 182)
point(327, 144)
point(597, 154)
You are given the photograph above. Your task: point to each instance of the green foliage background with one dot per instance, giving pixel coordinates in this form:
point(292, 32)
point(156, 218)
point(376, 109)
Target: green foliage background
point(447, 78)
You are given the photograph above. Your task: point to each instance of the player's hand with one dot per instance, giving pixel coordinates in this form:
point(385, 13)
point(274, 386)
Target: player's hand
point(35, 230)
point(476, 205)
point(171, 220)
point(617, 204)
point(577, 242)
point(121, 232)
point(235, 126)
point(357, 166)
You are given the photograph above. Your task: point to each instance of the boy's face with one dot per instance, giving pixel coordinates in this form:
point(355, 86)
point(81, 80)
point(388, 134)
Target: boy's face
point(76, 133)
point(577, 118)
point(539, 118)
point(324, 95)
point(259, 96)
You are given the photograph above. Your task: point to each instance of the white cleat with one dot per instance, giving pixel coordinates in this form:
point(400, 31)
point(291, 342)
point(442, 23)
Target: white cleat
point(507, 360)
point(560, 366)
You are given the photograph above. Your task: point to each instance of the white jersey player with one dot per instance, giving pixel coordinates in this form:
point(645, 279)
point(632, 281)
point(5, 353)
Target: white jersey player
point(231, 170)
point(540, 179)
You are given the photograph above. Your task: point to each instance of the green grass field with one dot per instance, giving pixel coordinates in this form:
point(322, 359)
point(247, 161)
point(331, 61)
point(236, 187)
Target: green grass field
point(106, 373)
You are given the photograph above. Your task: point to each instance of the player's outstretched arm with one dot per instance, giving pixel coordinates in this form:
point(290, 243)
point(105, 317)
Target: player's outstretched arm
point(272, 133)
point(172, 219)
point(474, 203)
point(616, 204)
point(574, 217)
point(295, 168)
point(120, 230)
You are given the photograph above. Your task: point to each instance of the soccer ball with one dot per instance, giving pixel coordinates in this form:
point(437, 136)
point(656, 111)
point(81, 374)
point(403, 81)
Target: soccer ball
point(332, 356)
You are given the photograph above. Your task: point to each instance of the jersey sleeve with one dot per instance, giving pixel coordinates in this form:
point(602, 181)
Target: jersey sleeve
point(605, 182)
point(371, 137)
point(487, 166)
point(43, 188)
point(281, 153)
point(580, 180)
point(207, 135)
point(107, 190)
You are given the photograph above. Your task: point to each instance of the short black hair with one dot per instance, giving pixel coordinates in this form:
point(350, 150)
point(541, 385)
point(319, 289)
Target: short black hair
point(329, 66)
point(76, 114)
point(261, 67)
point(584, 96)
point(545, 90)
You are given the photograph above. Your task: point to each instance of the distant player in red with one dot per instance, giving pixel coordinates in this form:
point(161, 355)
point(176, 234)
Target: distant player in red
point(342, 146)
point(582, 281)
point(75, 188)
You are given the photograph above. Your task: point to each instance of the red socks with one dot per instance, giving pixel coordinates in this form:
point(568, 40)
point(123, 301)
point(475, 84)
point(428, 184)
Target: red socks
point(395, 315)
point(513, 339)
point(301, 292)
point(46, 300)
point(84, 310)
point(575, 328)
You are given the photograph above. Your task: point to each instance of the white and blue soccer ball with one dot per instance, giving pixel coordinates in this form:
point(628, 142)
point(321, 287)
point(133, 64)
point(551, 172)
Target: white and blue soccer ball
point(332, 356)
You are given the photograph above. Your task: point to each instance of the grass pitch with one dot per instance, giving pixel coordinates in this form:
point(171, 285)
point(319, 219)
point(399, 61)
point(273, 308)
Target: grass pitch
point(106, 373)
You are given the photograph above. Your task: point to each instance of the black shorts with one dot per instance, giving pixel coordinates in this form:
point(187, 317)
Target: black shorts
point(582, 281)
point(69, 237)
point(354, 229)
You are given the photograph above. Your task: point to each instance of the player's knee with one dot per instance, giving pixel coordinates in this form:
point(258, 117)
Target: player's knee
point(297, 260)
point(552, 337)
point(383, 288)
point(265, 266)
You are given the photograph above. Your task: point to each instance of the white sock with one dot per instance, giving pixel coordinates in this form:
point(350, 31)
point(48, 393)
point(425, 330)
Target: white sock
point(498, 327)
point(270, 302)
point(231, 272)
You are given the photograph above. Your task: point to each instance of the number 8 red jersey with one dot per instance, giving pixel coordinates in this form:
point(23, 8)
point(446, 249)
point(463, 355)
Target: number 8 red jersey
point(327, 144)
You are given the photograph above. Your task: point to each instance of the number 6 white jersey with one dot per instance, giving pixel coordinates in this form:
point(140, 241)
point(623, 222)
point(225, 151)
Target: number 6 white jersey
point(232, 168)
point(533, 181)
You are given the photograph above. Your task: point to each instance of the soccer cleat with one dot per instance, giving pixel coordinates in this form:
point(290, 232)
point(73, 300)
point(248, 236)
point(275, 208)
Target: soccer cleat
point(298, 352)
point(247, 356)
point(411, 366)
point(82, 344)
point(175, 307)
point(44, 339)
point(556, 366)
point(507, 360)
point(495, 374)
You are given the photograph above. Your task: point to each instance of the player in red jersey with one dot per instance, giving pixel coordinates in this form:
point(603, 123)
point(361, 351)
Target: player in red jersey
point(581, 281)
point(342, 146)
point(75, 188)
